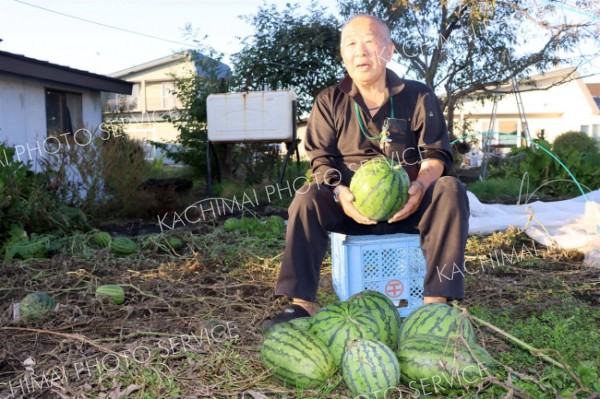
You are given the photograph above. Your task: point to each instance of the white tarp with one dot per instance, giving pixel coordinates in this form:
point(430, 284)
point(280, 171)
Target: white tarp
point(568, 224)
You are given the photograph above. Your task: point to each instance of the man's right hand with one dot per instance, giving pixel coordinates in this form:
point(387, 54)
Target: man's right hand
point(346, 199)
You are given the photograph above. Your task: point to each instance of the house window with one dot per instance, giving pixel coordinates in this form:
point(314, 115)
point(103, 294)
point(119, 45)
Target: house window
point(63, 112)
point(585, 129)
point(509, 127)
point(596, 131)
point(114, 102)
point(168, 99)
point(159, 96)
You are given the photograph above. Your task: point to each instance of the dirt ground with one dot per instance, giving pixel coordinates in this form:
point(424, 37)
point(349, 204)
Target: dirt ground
point(190, 325)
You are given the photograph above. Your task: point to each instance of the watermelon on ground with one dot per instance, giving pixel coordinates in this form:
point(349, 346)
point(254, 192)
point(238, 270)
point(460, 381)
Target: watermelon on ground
point(102, 239)
point(123, 246)
point(437, 319)
point(380, 188)
point(434, 365)
point(113, 291)
point(175, 242)
point(339, 323)
point(370, 369)
point(295, 357)
point(384, 312)
point(36, 305)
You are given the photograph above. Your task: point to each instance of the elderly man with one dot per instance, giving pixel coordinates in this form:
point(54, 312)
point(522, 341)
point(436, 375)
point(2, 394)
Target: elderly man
point(345, 129)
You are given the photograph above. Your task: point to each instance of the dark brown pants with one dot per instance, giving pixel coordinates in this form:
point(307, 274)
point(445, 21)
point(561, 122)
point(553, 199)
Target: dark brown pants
point(442, 221)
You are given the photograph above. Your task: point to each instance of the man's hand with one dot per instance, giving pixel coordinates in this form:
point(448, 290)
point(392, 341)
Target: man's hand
point(415, 195)
point(346, 199)
point(431, 170)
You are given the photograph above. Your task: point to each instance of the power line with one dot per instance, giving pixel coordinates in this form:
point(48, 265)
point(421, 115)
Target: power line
point(571, 8)
point(105, 25)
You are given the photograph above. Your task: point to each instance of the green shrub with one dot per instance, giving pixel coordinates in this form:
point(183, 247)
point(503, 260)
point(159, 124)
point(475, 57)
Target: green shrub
point(581, 155)
point(14, 188)
point(496, 189)
point(578, 152)
point(25, 202)
point(577, 142)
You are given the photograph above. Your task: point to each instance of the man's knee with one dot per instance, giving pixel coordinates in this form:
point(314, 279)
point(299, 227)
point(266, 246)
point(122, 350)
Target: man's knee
point(451, 188)
point(310, 196)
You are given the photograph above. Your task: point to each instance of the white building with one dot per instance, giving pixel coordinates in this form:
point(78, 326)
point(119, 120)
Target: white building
point(143, 112)
point(43, 104)
point(550, 106)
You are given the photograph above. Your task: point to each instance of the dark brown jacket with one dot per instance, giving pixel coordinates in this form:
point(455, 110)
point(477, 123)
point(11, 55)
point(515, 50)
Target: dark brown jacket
point(336, 146)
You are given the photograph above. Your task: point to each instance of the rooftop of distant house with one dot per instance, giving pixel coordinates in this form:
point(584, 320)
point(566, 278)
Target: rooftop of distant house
point(20, 65)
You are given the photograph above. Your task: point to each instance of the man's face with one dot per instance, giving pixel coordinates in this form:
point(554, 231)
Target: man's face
point(364, 50)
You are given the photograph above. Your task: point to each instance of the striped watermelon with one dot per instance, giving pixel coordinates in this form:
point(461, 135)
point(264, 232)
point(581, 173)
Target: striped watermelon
point(302, 323)
point(175, 242)
point(370, 369)
point(101, 239)
point(434, 365)
point(295, 357)
point(437, 319)
point(384, 312)
point(338, 323)
point(113, 291)
point(36, 305)
point(380, 188)
point(123, 246)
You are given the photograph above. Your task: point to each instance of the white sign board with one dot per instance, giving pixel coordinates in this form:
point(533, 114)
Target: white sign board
point(267, 116)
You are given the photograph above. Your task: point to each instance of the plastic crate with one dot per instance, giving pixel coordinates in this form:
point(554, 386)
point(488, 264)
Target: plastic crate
point(392, 264)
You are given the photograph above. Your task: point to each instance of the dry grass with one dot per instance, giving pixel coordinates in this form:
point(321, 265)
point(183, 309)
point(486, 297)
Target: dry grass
point(190, 325)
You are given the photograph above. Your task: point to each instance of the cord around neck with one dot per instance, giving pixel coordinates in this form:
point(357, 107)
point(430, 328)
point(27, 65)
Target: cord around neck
point(362, 124)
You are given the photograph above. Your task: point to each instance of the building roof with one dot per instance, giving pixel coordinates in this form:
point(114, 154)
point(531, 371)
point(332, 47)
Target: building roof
point(594, 89)
point(20, 65)
point(223, 70)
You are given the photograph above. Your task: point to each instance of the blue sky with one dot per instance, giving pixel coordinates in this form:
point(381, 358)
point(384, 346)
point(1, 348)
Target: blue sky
point(47, 35)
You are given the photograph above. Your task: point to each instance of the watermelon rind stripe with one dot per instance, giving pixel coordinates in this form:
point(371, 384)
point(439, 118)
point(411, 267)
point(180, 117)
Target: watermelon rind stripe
point(379, 188)
point(424, 357)
point(439, 320)
point(370, 368)
point(295, 357)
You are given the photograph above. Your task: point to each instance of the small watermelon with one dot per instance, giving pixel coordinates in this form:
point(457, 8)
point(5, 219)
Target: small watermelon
point(442, 364)
point(113, 291)
point(175, 242)
point(340, 322)
point(437, 319)
point(370, 369)
point(384, 312)
point(36, 305)
point(102, 239)
point(295, 357)
point(123, 246)
point(380, 188)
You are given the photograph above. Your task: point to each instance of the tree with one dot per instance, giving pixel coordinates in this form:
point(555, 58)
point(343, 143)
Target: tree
point(290, 51)
point(460, 48)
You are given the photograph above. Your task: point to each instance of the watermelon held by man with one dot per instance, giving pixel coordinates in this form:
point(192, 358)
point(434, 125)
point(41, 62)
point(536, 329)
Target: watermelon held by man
point(380, 188)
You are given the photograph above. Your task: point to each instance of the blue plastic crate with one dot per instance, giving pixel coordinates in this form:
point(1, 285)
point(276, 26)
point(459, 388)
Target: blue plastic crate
point(392, 264)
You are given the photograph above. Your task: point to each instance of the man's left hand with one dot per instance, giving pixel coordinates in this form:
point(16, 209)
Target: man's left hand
point(415, 195)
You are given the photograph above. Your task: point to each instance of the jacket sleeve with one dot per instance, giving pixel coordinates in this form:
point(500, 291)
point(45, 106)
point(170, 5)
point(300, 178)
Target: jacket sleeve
point(321, 142)
point(430, 125)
